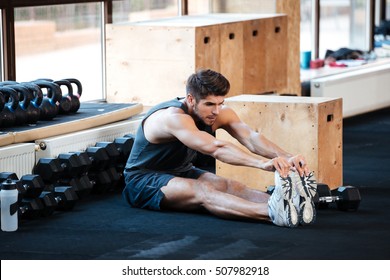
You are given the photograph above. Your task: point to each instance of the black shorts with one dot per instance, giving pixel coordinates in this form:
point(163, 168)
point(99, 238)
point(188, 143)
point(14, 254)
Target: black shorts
point(143, 187)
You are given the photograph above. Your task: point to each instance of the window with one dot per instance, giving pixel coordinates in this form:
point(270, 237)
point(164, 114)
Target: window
point(140, 10)
point(61, 41)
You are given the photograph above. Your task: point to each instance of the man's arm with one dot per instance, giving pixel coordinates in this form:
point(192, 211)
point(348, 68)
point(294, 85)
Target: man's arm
point(257, 143)
point(183, 128)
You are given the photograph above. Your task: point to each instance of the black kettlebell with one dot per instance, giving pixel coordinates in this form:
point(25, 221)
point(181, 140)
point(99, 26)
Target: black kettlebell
point(7, 115)
point(2, 102)
point(50, 104)
point(75, 98)
point(33, 109)
point(6, 83)
point(66, 100)
point(25, 97)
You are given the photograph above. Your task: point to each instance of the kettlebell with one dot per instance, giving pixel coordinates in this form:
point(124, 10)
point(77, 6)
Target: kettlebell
point(33, 110)
point(25, 96)
point(50, 104)
point(75, 98)
point(66, 99)
point(6, 83)
point(2, 102)
point(7, 115)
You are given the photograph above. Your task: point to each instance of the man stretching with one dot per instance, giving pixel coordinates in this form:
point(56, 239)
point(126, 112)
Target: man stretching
point(159, 173)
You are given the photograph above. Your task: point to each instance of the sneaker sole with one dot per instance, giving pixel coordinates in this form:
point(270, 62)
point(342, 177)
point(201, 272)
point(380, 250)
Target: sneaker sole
point(287, 188)
point(306, 189)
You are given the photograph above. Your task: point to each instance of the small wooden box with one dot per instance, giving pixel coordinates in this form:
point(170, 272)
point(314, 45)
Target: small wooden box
point(149, 62)
point(311, 126)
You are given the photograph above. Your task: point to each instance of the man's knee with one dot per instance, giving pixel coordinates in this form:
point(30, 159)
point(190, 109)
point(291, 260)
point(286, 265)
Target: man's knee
point(206, 191)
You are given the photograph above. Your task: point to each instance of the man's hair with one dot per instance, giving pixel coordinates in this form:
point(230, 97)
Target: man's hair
point(207, 82)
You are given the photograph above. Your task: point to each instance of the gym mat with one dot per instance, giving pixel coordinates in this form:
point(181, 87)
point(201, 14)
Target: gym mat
point(88, 116)
point(104, 227)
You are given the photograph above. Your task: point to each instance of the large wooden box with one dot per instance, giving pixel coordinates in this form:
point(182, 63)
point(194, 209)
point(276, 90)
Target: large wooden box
point(311, 126)
point(149, 62)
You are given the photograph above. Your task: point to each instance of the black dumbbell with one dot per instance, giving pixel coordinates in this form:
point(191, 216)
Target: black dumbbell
point(60, 198)
point(104, 180)
point(50, 169)
point(85, 161)
point(72, 165)
point(99, 157)
point(112, 152)
point(124, 145)
point(30, 208)
point(31, 186)
point(82, 185)
point(347, 198)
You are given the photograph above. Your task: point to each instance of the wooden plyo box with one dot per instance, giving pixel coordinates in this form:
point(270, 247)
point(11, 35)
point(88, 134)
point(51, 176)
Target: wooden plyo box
point(149, 62)
point(311, 126)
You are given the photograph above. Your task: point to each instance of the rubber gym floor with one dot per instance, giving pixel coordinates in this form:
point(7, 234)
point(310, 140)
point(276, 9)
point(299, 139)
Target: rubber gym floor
point(106, 228)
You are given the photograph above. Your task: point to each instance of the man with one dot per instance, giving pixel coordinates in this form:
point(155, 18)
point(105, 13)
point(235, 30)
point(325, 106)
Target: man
point(159, 173)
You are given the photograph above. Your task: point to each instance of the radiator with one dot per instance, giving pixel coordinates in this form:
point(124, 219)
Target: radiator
point(79, 141)
point(18, 158)
point(362, 90)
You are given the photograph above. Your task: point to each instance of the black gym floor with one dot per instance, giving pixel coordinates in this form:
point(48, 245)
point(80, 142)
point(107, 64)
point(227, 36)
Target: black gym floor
point(104, 227)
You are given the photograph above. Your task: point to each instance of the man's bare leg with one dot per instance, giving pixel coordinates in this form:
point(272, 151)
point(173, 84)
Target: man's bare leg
point(189, 194)
point(235, 188)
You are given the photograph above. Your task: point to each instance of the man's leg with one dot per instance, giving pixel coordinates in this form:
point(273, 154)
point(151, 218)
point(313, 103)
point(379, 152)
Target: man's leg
point(189, 194)
point(235, 188)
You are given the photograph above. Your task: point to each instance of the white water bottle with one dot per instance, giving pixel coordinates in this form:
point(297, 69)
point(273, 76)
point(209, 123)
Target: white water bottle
point(9, 206)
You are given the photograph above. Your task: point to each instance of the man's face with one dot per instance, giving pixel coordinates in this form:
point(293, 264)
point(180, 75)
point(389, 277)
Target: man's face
point(207, 109)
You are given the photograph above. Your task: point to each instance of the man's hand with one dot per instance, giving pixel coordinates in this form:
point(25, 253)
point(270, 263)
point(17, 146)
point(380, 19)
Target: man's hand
point(298, 163)
point(284, 166)
point(279, 164)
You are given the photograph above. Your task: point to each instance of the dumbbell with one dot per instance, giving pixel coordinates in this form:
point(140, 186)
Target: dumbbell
point(50, 169)
point(82, 185)
point(66, 165)
point(124, 145)
point(67, 170)
point(112, 151)
point(30, 208)
point(347, 198)
point(104, 180)
point(29, 186)
point(60, 198)
point(85, 161)
point(99, 157)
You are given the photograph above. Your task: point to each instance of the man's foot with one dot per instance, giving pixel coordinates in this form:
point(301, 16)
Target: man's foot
point(280, 205)
point(306, 188)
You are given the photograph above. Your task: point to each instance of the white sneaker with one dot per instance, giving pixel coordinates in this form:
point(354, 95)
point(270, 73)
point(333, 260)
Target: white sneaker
point(306, 188)
point(280, 205)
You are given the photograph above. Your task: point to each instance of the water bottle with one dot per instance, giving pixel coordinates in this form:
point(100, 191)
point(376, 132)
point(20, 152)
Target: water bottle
point(9, 206)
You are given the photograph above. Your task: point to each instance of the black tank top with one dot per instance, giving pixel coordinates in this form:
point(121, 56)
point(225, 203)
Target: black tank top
point(170, 157)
